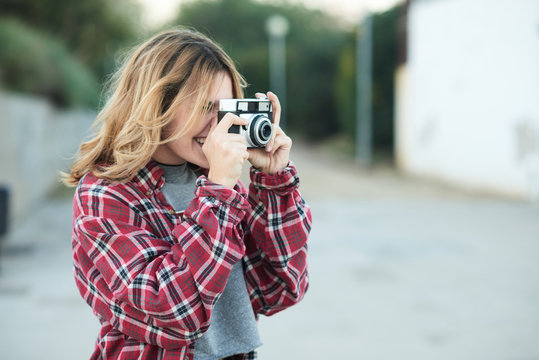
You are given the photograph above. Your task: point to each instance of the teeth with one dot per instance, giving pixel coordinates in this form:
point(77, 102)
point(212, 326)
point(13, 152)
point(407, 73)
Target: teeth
point(200, 140)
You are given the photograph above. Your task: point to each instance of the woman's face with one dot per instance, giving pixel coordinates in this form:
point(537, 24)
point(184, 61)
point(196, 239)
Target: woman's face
point(189, 146)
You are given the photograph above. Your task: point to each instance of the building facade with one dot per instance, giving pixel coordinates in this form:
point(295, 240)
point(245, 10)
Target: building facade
point(467, 110)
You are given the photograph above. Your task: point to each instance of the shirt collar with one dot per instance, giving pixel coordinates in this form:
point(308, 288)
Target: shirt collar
point(150, 177)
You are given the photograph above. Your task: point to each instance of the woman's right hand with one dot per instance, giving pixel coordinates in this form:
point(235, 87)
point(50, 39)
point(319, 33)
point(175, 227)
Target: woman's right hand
point(225, 152)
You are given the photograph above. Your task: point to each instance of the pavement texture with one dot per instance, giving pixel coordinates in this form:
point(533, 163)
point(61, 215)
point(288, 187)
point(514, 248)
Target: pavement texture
point(400, 268)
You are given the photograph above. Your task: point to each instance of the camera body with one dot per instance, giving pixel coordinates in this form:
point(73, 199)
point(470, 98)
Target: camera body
point(259, 130)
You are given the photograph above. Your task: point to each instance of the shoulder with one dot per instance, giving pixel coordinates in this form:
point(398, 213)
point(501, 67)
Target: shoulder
point(91, 184)
point(95, 196)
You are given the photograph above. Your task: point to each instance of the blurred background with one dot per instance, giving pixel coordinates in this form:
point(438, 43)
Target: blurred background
point(416, 133)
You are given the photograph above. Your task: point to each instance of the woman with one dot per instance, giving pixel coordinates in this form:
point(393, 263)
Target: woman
point(175, 256)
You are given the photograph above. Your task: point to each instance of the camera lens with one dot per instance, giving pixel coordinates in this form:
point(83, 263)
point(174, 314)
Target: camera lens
point(261, 130)
point(265, 131)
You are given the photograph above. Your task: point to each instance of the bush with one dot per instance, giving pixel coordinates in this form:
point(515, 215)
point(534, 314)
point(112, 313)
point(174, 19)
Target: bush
point(384, 64)
point(35, 63)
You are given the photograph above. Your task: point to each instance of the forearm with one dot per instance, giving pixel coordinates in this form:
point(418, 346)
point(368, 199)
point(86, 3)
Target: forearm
point(277, 240)
point(281, 220)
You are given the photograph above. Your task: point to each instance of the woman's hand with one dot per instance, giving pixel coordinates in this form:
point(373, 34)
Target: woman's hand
point(276, 155)
point(225, 152)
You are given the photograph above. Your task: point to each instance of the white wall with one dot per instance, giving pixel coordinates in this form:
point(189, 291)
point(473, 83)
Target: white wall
point(36, 142)
point(468, 100)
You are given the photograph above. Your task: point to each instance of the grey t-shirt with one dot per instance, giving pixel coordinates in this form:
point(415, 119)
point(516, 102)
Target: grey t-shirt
point(233, 327)
point(179, 186)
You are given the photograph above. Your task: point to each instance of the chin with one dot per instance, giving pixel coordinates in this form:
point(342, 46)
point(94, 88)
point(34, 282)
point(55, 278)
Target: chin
point(203, 163)
point(196, 157)
point(204, 166)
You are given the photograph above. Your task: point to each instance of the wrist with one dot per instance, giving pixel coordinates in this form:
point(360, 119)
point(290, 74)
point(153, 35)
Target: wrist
point(208, 191)
point(265, 171)
point(272, 170)
point(220, 181)
point(283, 181)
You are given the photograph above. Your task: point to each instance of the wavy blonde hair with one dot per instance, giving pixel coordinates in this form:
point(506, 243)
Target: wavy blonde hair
point(144, 94)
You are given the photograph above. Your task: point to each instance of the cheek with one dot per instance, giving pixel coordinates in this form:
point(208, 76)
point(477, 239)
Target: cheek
point(183, 145)
point(209, 121)
point(165, 133)
point(176, 124)
point(169, 130)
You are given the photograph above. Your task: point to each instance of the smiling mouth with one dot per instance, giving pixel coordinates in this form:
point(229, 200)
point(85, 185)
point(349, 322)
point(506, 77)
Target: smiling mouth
point(200, 140)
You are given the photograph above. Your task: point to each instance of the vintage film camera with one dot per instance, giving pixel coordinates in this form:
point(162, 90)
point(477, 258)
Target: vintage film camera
point(259, 130)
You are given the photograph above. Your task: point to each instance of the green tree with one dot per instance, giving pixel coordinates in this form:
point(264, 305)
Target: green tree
point(35, 63)
point(385, 45)
point(384, 64)
point(92, 29)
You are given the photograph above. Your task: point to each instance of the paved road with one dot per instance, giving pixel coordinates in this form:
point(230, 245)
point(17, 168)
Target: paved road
point(400, 268)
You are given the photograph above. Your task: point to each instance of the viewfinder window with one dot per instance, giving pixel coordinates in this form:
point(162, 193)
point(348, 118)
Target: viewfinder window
point(243, 106)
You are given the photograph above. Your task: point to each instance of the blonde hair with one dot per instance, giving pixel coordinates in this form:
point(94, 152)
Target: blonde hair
point(145, 93)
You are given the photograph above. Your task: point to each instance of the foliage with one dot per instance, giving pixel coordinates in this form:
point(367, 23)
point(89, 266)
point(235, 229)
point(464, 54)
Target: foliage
point(312, 44)
point(91, 29)
point(39, 64)
point(384, 63)
point(346, 88)
point(385, 45)
point(320, 92)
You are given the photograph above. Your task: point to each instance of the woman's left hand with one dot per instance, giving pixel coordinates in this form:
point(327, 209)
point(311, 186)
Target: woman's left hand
point(276, 155)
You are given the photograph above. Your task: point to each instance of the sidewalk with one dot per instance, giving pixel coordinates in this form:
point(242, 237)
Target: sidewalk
point(399, 268)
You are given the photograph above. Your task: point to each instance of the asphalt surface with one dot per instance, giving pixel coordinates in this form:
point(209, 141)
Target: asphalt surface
point(399, 268)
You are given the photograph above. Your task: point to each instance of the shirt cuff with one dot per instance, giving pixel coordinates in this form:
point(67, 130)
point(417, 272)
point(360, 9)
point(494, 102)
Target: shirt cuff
point(221, 193)
point(281, 182)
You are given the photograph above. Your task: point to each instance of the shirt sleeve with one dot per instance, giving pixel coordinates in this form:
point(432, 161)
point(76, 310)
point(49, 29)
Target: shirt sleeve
point(276, 241)
point(152, 289)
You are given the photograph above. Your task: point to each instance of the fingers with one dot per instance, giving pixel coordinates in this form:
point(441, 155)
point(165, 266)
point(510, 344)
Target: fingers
point(219, 139)
point(227, 121)
point(275, 104)
point(276, 107)
point(236, 150)
point(226, 154)
point(281, 141)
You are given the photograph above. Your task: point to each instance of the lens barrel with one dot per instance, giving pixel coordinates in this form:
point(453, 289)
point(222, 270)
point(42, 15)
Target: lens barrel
point(260, 130)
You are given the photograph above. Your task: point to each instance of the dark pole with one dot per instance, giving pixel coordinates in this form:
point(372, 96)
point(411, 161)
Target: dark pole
point(277, 28)
point(364, 93)
point(4, 210)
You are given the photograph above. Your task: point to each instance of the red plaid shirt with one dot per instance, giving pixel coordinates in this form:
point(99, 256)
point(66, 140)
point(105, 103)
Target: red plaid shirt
point(152, 276)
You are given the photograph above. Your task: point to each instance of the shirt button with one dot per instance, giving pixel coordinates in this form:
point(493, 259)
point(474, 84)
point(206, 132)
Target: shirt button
point(149, 192)
point(172, 211)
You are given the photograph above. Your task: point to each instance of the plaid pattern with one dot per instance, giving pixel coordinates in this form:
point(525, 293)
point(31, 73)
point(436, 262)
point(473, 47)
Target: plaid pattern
point(152, 276)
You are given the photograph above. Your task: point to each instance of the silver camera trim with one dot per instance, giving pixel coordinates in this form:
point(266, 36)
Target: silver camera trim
point(237, 105)
point(252, 130)
point(260, 114)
